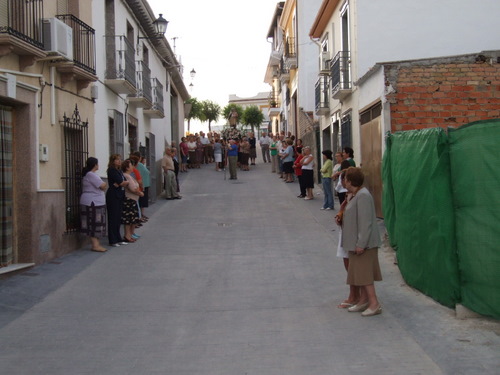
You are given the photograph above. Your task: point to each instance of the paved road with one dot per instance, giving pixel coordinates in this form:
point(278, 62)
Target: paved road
point(237, 278)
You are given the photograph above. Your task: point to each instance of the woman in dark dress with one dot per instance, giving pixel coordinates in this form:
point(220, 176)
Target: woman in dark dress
point(115, 196)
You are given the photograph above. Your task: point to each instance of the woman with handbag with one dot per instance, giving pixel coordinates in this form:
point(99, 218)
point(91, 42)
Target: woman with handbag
point(361, 238)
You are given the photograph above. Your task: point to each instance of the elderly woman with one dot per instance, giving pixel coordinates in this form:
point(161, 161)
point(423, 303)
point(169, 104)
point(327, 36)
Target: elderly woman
point(308, 172)
point(245, 154)
point(130, 214)
point(114, 199)
point(287, 158)
point(192, 151)
point(93, 204)
point(361, 238)
point(326, 175)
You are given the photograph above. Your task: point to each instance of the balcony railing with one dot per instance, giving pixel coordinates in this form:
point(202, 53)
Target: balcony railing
point(22, 20)
point(322, 98)
point(274, 104)
point(273, 99)
point(290, 47)
point(120, 72)
point(156, 110)
point(83, 42)
point(290, 53)
point(144, 86)
point(341, 75)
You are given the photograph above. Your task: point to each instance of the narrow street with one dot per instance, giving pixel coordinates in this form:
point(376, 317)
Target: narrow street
point(237, 278)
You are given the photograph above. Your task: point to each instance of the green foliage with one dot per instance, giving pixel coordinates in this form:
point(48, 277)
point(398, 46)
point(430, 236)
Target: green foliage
point(252, 116)
point(227, 110)
point(195, 111)
point(210, 111)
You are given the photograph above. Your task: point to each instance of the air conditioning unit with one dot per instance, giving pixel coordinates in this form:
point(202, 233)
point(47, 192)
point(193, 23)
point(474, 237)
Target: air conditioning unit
point(58, 38)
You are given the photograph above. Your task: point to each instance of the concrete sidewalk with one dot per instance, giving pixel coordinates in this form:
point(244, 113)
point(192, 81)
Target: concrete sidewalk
point(238, 277)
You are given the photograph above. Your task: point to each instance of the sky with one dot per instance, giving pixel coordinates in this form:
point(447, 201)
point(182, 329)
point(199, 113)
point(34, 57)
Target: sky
point(224, 41)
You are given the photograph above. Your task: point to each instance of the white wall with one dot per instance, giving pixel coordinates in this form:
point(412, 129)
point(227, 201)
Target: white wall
point(109, 100)
point(307, 53)
point(391, 30)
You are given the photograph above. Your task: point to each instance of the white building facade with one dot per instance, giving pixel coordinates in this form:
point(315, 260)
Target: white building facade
point(140, 94)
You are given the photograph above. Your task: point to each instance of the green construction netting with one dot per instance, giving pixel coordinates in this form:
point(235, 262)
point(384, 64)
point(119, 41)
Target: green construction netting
point(475, 176)
point(418, 211)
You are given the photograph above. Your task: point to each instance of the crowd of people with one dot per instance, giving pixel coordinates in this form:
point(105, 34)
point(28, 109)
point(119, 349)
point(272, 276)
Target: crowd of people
point(359, 238)
point(105, 207)
point(212, 147)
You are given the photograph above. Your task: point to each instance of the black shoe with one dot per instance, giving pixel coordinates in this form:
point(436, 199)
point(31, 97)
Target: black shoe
point(301, 196)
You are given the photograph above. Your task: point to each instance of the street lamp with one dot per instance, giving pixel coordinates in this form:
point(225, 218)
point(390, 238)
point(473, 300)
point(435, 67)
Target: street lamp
point(160, 24)
point(193, 73)
point(191, 86)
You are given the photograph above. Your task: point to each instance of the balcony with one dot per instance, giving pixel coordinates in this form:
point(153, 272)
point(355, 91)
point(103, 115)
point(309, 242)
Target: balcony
point(284, 74)
point(290, 53)
point(82, 68)
point(322, 99)
point(341, 75)
point(144, 96)
point(324, 63)
point(156, 110)
point(21, 30)
point(274, 107)
point(120, 65)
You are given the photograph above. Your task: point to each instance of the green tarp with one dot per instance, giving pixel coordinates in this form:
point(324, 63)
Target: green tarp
point(442, 211)
point(475, 173)
point(421, 212)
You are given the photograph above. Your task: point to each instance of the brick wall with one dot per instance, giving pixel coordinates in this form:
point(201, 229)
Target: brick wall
point(443, 92)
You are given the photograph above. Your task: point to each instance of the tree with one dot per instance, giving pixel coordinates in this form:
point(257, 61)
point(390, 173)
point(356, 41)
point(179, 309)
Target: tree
point(227, 110)
point(210, 111)
point(195, 112)
point(252, 116)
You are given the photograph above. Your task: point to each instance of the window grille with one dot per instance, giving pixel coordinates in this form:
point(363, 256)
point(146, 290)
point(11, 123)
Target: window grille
point(75, 155)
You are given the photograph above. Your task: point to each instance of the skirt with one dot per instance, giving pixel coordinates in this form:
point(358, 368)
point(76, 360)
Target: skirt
point(244, 158)
point(218, 158)
point(130, 213)
point(253, 153)
point(144, 201)
point(364, 269)
point(93, 221)
point(308, 177)
point(288, 167)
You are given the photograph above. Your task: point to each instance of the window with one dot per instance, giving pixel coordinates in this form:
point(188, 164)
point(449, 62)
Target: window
point(346, 131)
point(371, 113)
point(116, 136)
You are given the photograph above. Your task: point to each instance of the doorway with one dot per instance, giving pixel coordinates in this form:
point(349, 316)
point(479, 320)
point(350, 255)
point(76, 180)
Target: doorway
point(6, 187)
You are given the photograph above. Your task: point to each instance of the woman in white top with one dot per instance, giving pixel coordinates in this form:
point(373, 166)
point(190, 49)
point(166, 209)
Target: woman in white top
point(192, 151)
point(93, 204)
point(308, 172)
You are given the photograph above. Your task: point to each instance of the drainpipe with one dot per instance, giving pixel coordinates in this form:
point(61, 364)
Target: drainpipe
point(52, 95)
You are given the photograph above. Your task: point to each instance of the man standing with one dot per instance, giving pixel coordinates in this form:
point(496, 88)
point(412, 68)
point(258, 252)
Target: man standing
point(167, 164)
point(205, 142)
point(232, 155)
point(264, 142)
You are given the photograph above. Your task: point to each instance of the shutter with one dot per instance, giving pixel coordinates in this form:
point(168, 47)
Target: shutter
point(119, 133)
point(62, 7)
point(346, 131)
